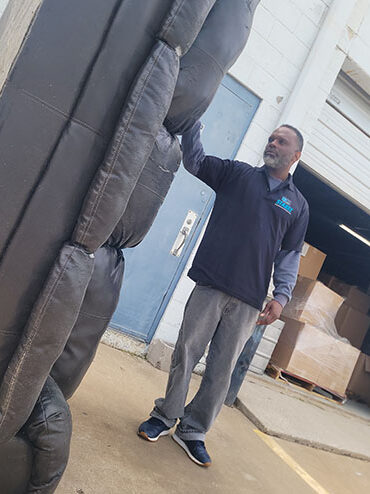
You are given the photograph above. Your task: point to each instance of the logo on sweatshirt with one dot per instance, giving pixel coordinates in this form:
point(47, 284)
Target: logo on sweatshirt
point(285, 204)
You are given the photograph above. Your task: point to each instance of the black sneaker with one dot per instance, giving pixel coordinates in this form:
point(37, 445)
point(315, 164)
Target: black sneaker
point(152, 429)
point(195, 450)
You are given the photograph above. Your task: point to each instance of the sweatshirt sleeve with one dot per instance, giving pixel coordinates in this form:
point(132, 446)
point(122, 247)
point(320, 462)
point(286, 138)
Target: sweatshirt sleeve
point(286, 267)
point(211, 170)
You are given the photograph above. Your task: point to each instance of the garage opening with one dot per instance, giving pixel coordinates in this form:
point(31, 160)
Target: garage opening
point(348, 257)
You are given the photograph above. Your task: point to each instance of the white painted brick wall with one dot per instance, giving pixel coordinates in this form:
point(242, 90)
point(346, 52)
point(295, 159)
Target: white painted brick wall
point(3, 4)
point(15, 18)
point(272, 61)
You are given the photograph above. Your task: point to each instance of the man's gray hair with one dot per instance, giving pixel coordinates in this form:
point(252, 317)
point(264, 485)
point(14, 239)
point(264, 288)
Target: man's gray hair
point(297, 133)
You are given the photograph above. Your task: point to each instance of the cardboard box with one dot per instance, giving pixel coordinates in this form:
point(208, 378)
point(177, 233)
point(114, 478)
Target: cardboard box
point(326, 278)
point(310, 354)
point(359, 385)
point(353, 296)
point(352, 324)
point(313, 303)
point(311, 262)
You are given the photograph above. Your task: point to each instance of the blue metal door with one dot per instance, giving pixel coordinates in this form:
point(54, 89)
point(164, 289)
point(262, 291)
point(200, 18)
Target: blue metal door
point(152, 272)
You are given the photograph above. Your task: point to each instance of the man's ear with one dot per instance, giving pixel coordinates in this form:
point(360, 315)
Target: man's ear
point(297, 156)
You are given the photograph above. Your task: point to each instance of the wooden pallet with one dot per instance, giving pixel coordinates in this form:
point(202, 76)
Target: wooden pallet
point(280, 374)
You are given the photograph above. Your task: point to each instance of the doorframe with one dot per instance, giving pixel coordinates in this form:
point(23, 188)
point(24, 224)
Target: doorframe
point(236, 86)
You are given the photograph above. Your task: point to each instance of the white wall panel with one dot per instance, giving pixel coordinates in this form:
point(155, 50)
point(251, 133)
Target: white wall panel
point(340, 154)
point(352, 103)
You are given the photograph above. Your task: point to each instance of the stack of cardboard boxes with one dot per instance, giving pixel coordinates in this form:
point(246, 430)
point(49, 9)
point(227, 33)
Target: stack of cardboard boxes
point(353, 322)
point(309, 346)
point(359, 385)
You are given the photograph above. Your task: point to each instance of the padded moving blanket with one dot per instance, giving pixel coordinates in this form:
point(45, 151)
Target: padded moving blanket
point(88, 121)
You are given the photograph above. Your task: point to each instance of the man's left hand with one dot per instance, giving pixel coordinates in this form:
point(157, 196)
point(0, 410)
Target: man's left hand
point(270, 313)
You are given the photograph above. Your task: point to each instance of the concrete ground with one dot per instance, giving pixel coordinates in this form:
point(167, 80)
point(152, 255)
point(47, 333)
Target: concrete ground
point(301, 416)
point(107, 457)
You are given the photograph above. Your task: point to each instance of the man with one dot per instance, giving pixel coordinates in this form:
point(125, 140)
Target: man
point(259, 220)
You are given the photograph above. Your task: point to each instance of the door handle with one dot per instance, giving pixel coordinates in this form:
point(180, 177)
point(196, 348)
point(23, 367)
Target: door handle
point(183, 234)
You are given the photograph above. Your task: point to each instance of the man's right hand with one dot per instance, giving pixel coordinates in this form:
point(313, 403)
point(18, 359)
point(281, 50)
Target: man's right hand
point(270, 313)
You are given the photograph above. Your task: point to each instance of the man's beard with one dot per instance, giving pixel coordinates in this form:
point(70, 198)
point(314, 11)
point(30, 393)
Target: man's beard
point(274, 162)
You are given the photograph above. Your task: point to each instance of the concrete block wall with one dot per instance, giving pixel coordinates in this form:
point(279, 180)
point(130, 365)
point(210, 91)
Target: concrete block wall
point(15, 18)
point(281, 39)
point(3, 4)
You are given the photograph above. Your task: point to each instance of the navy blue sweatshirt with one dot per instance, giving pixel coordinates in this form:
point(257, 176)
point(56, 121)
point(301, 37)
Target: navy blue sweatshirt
point(257, 221)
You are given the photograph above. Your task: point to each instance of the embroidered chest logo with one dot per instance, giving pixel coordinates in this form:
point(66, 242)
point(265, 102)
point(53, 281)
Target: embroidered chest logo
point(284, 203)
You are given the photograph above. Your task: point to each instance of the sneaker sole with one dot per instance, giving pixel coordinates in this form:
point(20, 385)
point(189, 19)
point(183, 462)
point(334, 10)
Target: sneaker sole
point(186, 449)
point(144, 435)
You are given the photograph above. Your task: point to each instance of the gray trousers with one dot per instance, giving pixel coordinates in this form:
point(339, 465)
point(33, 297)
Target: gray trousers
point(226, 322)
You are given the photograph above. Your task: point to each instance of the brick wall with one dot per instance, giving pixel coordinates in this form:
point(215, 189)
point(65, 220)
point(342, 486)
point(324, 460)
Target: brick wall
point(281, 39)
point(15, 18)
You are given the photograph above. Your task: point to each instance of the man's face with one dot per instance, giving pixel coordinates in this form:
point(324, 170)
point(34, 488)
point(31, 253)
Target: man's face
point(281, 150)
